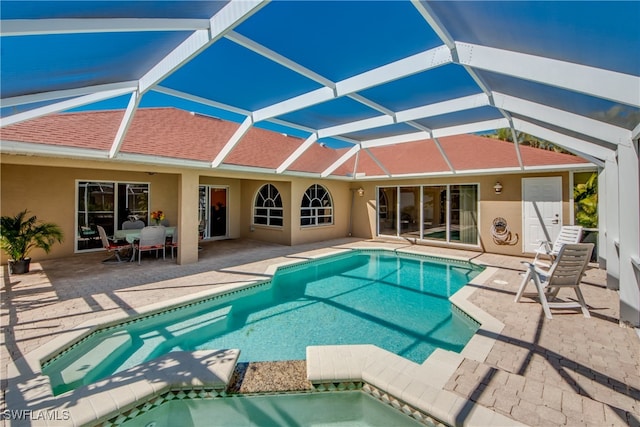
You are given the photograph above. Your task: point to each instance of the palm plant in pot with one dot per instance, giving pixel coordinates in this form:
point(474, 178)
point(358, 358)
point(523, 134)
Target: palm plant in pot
point(22, 233)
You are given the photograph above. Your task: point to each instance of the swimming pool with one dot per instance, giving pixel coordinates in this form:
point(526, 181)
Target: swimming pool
point(344, 408)
point(397, 302)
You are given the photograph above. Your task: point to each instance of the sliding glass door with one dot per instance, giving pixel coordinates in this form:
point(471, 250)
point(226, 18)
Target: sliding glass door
point(434, 211)
point(410, 212)
point(212, 212)
point(464, 214)
point(446, 213)
point(387, 210)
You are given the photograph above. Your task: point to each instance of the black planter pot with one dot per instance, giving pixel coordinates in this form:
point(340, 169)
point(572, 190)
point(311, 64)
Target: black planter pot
point(19, 267)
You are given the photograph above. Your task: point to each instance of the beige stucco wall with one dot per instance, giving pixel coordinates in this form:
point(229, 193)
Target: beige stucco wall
point(281, 235)
point(47, 187)
point(507, 205)
point(50, 194)
point(340, 196)
point(291, 192)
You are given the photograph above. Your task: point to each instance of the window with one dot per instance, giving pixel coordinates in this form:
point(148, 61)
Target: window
point(316, 207)
point(107, 204)
point(267, 209)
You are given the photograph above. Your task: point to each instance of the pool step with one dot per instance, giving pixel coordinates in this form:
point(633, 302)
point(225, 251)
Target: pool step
point(178, 375)
point(162, 339)
point(94, 359)
point(413, 388)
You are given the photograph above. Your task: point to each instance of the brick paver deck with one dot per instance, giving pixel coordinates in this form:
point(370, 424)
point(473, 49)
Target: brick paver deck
point(565, 371)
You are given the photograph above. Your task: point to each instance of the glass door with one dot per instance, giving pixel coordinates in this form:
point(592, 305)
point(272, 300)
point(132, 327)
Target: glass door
point(212, 212)
point(218, 203)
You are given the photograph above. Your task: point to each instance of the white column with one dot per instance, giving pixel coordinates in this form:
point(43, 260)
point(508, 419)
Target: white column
point(612, 222)
point(188, 217)
point(629, 211)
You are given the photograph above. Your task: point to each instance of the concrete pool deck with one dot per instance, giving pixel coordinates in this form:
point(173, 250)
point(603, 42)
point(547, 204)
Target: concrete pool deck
point(565, 371)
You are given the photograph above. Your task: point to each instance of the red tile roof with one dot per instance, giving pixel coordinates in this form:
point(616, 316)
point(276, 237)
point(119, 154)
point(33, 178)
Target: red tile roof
point(179, 134)
point(263, 148)
point(410, 158)
point(318, 158)
point(95, 129)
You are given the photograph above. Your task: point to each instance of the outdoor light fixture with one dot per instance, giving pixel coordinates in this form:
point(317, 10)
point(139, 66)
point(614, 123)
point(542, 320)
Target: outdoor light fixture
point(360, 191)
point(498, 187)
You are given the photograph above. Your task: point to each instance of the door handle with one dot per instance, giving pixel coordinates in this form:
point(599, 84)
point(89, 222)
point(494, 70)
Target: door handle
point(555, 221)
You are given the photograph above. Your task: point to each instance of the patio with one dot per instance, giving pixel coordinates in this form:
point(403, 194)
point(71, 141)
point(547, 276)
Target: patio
point(565, 371)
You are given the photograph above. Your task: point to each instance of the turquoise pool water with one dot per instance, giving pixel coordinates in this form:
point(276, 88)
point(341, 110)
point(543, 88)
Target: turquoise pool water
point(344, 409)
point(397, 302)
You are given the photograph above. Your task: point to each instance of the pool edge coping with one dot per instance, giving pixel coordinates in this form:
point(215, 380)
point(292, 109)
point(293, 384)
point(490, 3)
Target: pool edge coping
point(39, 387)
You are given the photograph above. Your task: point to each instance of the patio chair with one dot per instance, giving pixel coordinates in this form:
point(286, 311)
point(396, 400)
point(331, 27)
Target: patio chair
point(565, 272)
point(202, 227)
point(133, 225)
point(171, 242)
point(112, 246)
point(569, 234)
point(151, 238)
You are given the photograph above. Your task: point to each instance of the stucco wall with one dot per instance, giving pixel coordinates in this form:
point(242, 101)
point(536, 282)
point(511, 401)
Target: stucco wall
point(291, 233)
point(507, 205)
point(341, 198)
point(50, 194)
point(281, 235)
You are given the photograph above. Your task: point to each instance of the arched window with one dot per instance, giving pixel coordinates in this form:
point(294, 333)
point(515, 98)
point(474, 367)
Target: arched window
point(267, 209)
point(316, 207)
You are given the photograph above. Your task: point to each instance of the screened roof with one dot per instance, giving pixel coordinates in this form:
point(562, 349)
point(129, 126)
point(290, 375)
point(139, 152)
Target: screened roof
point(359, 75)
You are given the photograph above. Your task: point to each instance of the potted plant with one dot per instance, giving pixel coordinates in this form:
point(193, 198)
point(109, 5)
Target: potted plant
point(21, 233)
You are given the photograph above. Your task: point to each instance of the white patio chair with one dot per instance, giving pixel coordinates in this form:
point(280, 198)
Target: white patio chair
point(111, 245)
point(569, 234)
point(133, 225)
point(151, 238)
point(565, 272)
point(172, 242)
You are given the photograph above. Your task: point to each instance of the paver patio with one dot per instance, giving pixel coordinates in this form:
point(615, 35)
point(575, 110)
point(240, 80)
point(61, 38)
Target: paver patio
point(565, 371)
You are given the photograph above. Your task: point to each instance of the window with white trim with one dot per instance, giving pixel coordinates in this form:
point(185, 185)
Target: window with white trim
point(267, 209)
point(316, 207)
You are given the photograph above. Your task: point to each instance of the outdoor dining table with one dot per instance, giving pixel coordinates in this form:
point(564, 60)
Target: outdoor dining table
point(133, 234)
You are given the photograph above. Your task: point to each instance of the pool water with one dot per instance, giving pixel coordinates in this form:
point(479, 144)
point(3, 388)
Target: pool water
point(397, 302)
point(344, 409)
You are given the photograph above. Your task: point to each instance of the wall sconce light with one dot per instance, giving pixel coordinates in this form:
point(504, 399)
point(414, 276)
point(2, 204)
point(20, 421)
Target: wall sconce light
point(498, 187)
point(360, 191)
